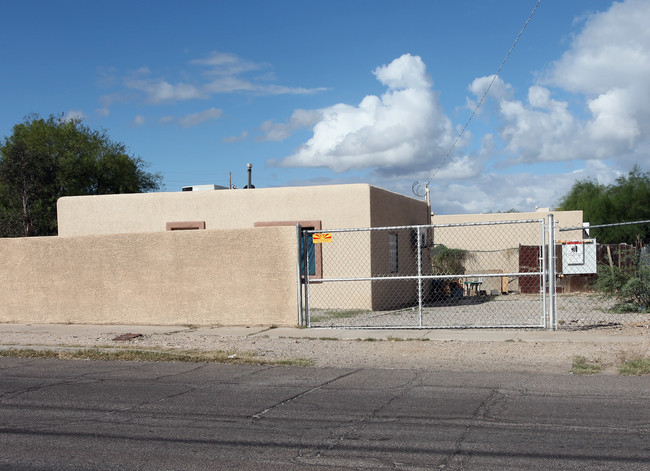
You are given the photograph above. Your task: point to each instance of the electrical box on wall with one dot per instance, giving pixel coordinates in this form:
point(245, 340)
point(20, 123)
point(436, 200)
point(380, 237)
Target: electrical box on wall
point(579, 257)
point(424, 239)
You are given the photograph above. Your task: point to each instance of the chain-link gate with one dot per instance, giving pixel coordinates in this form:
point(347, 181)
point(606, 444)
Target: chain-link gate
point(439, 276)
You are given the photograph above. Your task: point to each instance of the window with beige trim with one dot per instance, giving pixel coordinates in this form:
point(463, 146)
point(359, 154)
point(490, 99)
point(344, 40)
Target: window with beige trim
point(185, 225)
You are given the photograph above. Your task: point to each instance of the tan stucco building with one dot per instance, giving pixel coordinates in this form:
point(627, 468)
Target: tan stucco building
point(508, 248)
point(124, 259)
point(335, 206)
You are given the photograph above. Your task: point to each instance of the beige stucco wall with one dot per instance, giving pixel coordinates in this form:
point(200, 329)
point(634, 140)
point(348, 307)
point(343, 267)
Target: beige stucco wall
point(563, 219)
point(365, 254)
point(228, 277)
point(337, 206)
point(386, 211)
point(495, 248)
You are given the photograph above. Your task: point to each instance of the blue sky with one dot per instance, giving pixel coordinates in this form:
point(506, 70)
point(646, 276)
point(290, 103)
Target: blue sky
point(346, 91)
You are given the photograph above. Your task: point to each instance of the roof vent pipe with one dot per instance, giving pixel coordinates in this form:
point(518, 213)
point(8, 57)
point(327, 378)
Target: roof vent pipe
point(250, 171)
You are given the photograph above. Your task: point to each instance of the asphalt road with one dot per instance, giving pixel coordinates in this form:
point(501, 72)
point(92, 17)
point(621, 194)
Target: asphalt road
point(119, 415)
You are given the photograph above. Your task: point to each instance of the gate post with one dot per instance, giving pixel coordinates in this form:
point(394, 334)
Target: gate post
point(419, 255)
point(299, 273)
point(551, 273)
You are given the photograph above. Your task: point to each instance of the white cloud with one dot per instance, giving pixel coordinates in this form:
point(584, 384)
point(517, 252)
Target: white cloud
point(542, 129)
point(492, 192)
point(160, 91)
point(192, 119)
point(198, 118)
point(614, 116)
point(281, 131)
point(217, 73)
point(586, 117)
point(109, 100)
point(224, 72)
point(498, 88)
point(607, 69)
point(612, 51)
point(458, 168)
point(139, 120)
point(232, 139)
point(221, 63)
point(397, 132)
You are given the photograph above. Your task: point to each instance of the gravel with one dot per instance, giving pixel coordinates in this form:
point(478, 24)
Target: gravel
point(404, 349)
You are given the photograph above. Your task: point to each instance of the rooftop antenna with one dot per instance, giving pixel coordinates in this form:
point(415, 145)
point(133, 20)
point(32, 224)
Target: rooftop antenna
point(421, 190)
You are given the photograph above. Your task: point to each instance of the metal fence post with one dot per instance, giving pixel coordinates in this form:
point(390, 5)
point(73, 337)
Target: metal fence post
point(305, 267)
point(419, 274)
point(543, 263)
point(299, 274)
point(551, 273)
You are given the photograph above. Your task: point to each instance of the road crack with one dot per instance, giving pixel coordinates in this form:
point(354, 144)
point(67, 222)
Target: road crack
point(259, 415)
point(458, 457)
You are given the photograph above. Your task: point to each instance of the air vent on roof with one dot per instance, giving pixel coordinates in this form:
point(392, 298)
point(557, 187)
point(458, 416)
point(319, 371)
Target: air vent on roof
point(204, 188)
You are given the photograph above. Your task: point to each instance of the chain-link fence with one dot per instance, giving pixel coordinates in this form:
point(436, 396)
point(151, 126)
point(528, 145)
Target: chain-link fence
point(603, 275)
point(490, 274)
point(439, 276)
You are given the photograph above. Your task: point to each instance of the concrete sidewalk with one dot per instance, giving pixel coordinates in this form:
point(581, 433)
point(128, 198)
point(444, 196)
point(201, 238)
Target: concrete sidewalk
point(67, 333)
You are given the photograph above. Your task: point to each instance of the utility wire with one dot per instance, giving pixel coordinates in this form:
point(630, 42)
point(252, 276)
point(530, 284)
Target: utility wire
point(480, 102)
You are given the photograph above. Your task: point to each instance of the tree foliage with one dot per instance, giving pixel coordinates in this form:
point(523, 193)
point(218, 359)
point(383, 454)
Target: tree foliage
point(45, 159)
point(628, 283)
point(446, 261)
point(627, 200)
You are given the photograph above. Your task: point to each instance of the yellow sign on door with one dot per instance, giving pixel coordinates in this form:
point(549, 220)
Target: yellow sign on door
point(322, 238)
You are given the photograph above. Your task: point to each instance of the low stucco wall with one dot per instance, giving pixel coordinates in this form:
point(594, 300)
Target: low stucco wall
point(226, 277)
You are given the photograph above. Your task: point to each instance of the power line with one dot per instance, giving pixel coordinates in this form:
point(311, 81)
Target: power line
point(480, 102)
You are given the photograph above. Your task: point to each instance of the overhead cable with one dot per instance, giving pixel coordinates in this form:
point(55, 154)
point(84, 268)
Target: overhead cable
point(480, 102)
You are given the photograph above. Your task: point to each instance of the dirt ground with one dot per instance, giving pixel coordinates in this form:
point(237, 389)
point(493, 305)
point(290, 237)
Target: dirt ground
point(606, 346)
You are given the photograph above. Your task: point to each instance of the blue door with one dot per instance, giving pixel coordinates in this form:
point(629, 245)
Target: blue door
point(308, 241)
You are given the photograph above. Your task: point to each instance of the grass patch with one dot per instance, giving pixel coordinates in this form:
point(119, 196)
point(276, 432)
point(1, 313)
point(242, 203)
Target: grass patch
point(187, 356)
point(327, 315)
point(395, 339)
point(635, 367)
point(582, 366)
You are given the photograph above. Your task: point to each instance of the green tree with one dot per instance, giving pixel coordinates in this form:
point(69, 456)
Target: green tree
point(630, 197)
point(45, 159)
point(627, 200)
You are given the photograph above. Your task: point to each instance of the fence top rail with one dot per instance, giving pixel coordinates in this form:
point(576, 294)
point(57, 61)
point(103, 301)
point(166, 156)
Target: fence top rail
point(431, 226)
point(647, 221)
point(464, 276)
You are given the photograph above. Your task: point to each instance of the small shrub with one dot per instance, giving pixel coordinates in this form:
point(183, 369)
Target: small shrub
point(446, 261)
point(582, 366)
point(629, 284)
point(635, 366)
